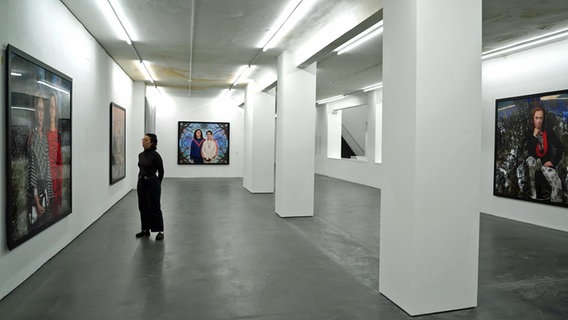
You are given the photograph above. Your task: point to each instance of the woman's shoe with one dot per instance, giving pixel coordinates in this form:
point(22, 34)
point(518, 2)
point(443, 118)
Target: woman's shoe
point(160, 236)
point(143, 233)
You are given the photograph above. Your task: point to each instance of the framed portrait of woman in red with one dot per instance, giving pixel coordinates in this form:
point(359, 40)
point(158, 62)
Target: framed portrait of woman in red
point(531, 148)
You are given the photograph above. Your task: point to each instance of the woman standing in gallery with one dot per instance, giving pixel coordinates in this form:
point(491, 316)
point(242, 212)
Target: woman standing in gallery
point(149, 188)
point(196, 143)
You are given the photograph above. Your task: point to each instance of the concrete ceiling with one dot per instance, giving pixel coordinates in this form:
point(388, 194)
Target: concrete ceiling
point(225, 35)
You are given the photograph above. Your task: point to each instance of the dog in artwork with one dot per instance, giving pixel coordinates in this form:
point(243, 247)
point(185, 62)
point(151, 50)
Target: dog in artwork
point(551, 176)
point(553, 180)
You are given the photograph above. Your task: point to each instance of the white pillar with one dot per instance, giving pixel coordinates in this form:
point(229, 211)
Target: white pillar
point(258, 175)
point(295, 139)
point(429, 229)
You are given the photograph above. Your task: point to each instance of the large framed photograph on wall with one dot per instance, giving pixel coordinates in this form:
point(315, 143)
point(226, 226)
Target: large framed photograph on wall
point(203, 142)
point(117, 143)
point(38, 146)
point(531, 148)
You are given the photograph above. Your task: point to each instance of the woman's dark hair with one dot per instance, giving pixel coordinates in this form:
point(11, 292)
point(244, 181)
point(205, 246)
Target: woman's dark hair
point(209, 131)
point(153, 140)
point(195, 133)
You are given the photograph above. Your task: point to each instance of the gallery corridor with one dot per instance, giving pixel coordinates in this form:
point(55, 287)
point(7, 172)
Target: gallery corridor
point(227, 255)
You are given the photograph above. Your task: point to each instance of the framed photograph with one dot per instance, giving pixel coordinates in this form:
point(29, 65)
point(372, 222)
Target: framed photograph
point(531, 148)
point(38, 146)
point(203, 142)
point(117, 143)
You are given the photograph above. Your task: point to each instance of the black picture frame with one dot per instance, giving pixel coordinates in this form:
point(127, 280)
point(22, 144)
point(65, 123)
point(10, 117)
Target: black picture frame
point(38, 146)
point(117, 143)
point(532, 164)
point(215, 151)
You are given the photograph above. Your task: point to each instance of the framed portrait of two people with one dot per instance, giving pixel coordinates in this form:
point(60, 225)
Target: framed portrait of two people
point(203, 143)
point(38, 146)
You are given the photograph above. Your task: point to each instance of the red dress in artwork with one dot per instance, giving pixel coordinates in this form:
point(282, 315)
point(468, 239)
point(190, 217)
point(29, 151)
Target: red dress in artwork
point(56, 168)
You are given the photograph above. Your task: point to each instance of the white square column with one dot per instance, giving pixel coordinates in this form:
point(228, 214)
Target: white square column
point(429, 231)
point(295, 139)
point(258, 173)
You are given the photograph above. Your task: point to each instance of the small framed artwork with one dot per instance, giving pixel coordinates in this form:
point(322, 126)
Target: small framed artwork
point(117, 143)
point(38, 146)
point(531, 148)
point(203, 143)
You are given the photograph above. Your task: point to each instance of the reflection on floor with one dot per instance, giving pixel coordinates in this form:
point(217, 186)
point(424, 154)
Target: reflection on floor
point(226, 255)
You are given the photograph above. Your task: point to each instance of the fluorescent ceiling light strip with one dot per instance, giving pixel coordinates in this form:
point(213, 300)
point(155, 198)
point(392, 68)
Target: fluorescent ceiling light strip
point(53, 87)
point(300, 12)
point(348, 107)
point(526, 43)
point(362, 37)
point(242, 73)
point(279, 24)
point(335, 98)
point(373, 87)
point(124, 22)
point(146, 72)
point(16, 74)
point(111, 12)
point(361, 41)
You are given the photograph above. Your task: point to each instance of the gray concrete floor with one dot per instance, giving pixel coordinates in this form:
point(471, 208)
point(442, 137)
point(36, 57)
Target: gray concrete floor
point(226, 255)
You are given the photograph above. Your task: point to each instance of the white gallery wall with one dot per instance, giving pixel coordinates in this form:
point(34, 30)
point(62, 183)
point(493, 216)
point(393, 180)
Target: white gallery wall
point(48, 32)
point(174, 109)
point(538, 70)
